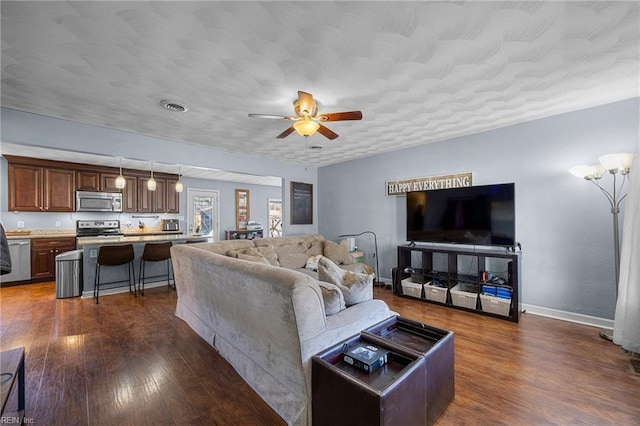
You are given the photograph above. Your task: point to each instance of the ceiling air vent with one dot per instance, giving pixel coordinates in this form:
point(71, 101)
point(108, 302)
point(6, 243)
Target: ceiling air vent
point(173, 106)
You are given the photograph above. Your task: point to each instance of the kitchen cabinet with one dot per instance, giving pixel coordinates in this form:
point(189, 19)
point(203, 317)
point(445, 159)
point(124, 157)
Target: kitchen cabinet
point(173, 197)
point(164, 199)
point(96, 181)
point(130, 195)
point(59, 195)
point(159, 196)
point(37, 185)
point(43, 256)
point(33, 188)
point(88, 181)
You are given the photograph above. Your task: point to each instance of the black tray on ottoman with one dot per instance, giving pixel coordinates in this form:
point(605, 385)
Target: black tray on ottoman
point(345, 395)
point(435, 345)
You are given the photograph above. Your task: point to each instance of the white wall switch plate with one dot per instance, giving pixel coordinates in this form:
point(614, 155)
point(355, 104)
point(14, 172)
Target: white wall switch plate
point(20, 224)
point(93, 253)
point(57, 224)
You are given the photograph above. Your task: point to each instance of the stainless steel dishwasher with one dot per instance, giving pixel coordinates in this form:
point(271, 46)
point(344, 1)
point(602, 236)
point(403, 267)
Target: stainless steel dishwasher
point(20, 252)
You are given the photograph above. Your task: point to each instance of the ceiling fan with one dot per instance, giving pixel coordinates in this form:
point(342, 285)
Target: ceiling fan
point(307, 121)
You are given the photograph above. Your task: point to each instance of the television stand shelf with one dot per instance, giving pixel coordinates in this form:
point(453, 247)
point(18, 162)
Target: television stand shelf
point(481, 280)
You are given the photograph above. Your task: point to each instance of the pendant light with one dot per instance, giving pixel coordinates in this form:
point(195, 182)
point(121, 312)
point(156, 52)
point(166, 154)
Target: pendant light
point(121, 182)
point(179, 184)
point(151, 183)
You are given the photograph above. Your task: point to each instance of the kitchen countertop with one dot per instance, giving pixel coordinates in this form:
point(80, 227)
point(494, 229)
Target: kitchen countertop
point(82, 241)
point(21, 234)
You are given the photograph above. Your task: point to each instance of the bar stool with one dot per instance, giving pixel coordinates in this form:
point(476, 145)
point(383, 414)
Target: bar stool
point(115, 255)
point(154, 252)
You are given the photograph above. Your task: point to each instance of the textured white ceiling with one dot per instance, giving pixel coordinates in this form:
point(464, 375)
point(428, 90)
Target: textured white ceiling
point(419, 71)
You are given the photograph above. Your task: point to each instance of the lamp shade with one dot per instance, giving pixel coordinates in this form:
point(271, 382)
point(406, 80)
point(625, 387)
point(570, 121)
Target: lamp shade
point(121, 182)
point(580, 171)
point(151, 184)
point(306, 127)
point(179, 186)
point(626, 159)
point(611, 161)
point(596, 171)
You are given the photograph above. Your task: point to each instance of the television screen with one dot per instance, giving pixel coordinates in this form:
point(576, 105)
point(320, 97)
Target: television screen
point(483, 215)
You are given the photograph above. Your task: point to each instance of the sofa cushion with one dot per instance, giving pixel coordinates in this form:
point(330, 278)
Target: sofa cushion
point(333, 298)
point(355, 287)
point(291, 256)
point(338, 253)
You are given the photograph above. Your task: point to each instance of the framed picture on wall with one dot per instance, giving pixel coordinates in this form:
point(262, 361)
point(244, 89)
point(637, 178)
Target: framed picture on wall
point(242, 209)
point(301, 203)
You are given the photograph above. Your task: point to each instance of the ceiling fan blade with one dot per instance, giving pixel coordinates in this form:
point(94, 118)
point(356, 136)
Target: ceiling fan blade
point(341, 116)
point(326, 132)
point(306, 103)
point(277, 117)
point(285, 133)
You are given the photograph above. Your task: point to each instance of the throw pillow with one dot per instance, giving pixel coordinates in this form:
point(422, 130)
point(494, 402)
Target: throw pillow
point(312, 263)
point(254, 258)
point(332, 297)
point(270, 253)
point(291, 256)
point(339, 253)
point(355, 287)
point(315, 249)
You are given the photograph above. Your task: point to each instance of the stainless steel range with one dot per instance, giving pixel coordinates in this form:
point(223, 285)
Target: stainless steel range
point(98, 228)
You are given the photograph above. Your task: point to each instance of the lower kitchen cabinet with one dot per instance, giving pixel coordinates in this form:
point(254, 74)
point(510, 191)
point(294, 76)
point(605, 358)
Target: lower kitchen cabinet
point(43, 256)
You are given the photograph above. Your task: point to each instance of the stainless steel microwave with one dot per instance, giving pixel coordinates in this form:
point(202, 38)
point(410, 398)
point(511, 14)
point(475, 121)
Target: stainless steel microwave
point(88, 201)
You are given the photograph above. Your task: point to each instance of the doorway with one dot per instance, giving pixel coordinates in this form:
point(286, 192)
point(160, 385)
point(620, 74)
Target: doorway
point(275, 218)
point(203, 212)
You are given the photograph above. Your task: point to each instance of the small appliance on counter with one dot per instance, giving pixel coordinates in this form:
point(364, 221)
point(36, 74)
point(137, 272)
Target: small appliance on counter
point(253, 226)
point(170, 224)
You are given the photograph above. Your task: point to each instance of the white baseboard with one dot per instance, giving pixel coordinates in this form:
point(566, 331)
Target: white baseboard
point(122, 289)
point(568, 316)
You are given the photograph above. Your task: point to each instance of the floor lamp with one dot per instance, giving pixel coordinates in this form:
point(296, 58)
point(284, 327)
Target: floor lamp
point(614, 163)
point(375, 242)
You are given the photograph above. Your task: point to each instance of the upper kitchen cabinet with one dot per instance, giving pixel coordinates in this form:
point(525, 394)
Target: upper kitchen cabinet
point(173, 197)
point(40, 189)
point(162, 200)
point(130, 195)
point(37, 185)
point(87, 180)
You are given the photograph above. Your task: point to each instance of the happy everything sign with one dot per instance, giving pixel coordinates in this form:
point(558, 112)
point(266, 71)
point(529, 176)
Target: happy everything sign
point(401, 187)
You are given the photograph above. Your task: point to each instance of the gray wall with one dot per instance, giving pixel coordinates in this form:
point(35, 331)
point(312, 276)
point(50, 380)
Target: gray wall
point(31, 129)
point(564, 223)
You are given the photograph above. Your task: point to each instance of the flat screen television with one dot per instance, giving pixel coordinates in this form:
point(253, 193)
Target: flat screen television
point(479, 215)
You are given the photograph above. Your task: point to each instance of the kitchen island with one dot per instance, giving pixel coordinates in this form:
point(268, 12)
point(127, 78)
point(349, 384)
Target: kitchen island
point(154, 271)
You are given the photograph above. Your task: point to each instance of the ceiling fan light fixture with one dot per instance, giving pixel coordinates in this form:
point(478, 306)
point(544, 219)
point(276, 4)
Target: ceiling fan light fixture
point(306, 127)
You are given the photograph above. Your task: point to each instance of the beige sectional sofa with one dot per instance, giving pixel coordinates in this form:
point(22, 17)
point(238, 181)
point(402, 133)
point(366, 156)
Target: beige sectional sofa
point(266, 319)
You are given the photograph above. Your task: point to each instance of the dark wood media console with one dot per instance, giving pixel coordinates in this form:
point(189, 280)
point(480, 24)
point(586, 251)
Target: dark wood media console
point(472, 279)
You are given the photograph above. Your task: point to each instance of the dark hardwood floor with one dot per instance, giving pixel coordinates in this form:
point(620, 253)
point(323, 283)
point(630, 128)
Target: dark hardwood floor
point(131, 361)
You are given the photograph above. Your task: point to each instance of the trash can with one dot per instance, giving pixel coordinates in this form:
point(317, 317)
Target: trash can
point(69, 274)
